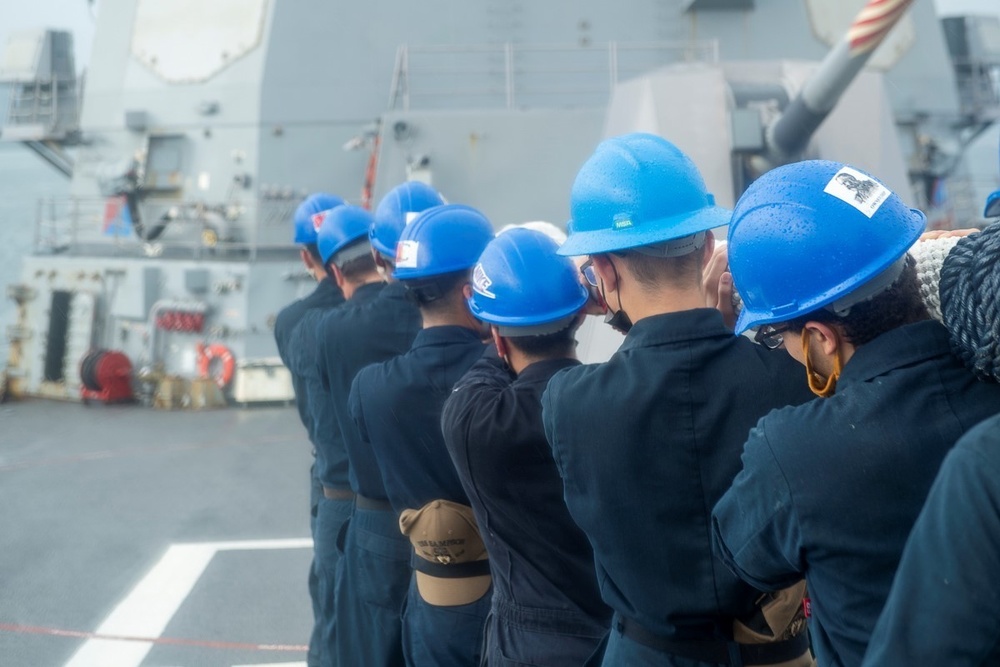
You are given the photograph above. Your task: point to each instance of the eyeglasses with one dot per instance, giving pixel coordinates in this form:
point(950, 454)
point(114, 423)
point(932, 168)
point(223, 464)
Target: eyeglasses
point(587, 269)
point(770, 336)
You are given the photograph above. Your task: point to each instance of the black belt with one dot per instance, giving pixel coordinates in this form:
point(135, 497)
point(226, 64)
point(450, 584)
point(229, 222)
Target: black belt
point(337, 494)
point(475, 568)
point(716, 650)
point(363, 503)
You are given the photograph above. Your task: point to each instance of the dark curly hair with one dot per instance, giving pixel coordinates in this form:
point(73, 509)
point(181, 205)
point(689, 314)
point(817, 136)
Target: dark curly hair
point(899, 305)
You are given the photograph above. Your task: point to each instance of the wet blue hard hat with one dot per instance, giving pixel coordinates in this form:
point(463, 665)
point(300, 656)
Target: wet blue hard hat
point(306, 220)
point(400, 204)
point(341, 227)
point(816, 234)
point(522, 285)
point(635, 190)
point(992, 209)
point(443, 239)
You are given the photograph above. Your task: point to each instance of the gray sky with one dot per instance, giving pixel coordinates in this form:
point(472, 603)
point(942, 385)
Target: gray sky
point(75, 15)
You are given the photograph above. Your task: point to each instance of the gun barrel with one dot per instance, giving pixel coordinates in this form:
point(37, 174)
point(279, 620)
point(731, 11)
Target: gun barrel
point(789, 134)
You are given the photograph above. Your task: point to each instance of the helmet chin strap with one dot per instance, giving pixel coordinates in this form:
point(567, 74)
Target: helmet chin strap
point(815, 379)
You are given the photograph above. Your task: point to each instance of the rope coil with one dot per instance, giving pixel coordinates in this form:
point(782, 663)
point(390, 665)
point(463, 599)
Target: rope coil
point(969, 289)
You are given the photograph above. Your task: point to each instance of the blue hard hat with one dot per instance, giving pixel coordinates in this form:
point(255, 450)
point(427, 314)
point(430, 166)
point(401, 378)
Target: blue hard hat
point(443, 239)
point(635, 190)
point(992, 209)
point(306, 220)
point(340, 227)
point(522, 282)
point(808, 234)
point(392, 212)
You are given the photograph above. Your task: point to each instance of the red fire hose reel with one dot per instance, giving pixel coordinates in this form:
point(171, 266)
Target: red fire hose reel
point(106, 376)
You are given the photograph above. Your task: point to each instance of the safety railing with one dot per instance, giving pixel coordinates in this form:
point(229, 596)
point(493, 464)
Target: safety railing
point(509, 76)
point(51, 105)
point(177, 229)
point(978, 83)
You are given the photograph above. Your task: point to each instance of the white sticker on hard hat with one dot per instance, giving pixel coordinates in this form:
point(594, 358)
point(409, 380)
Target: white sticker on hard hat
point(406, 254)
point(318, 218)
point(481, 282)
point(411, 216)
point(863, 193)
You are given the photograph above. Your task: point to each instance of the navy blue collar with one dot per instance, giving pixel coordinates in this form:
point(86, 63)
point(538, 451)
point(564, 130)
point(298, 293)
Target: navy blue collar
point(543, 370)
point(367, 292)
point(676, 327)
point(904, 346)
point(396, 290)
point(328, 284)
point(446, 335)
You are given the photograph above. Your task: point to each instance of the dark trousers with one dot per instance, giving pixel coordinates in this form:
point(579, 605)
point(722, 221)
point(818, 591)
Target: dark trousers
point(330, 518)
point(624, 652)
point(315, 638)
point(371, 589)
point(519, 636)
point(443, 636)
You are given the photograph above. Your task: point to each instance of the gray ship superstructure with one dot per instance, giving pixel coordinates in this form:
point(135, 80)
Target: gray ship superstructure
point(203, 124)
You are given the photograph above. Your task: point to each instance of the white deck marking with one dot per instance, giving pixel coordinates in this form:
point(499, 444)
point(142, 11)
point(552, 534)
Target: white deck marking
point(148, 608)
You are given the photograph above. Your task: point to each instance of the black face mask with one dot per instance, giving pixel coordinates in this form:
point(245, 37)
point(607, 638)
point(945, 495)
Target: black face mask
point(619, 319)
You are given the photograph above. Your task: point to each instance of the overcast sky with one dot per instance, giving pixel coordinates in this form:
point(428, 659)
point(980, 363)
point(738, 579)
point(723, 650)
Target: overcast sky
point(75, 15)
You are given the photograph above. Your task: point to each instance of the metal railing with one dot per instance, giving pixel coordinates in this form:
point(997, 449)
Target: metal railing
point(176, 229)
point(978, 83)
point(52, 105)
point(510, 76)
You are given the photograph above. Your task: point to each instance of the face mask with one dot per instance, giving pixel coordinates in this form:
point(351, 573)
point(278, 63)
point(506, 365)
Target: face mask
point(618, 319)
point(830, 387)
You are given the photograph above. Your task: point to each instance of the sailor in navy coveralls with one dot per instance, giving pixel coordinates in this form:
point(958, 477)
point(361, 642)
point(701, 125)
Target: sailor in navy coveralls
point(377, 324)
point(326, 295)
point(649, 441)
point(547, 609)
point(397, 408)
point(830, 490)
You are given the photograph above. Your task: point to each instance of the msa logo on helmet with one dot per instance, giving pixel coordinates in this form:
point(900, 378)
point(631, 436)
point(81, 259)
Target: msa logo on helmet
point(481, 282)
point(318, 218)
point(406, 254)
point(854, 188)
point(624, 222)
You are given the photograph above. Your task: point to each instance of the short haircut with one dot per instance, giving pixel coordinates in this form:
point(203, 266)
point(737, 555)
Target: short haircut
point(438, 293)
point(313, 251)
point(653, 272)
point(897, 306)
point(357, 267)
point(546, 346)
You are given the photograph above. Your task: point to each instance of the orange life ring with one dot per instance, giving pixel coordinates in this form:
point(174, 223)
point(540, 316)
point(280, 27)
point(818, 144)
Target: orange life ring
point(227, 363)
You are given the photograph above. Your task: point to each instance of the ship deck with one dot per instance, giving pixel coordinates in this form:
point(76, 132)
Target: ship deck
point(140, 537)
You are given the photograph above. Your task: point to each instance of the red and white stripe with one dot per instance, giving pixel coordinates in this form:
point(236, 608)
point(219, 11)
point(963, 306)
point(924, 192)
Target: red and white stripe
point(873, 23)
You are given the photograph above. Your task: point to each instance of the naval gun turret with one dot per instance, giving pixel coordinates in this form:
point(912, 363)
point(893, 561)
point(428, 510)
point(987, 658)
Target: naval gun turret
point(788, 135)
point(737, 119)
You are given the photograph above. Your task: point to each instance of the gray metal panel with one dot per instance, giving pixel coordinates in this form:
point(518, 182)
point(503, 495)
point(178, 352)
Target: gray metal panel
point(513, 165)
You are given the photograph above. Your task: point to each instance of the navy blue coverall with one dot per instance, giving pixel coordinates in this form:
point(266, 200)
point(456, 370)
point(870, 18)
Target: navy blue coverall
point(336, 500)
point(646, 444)
point(547, 609)
point(397, 406)
point(378, 323)
point(944, 606)
point(831, 489)
point(326, 295)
